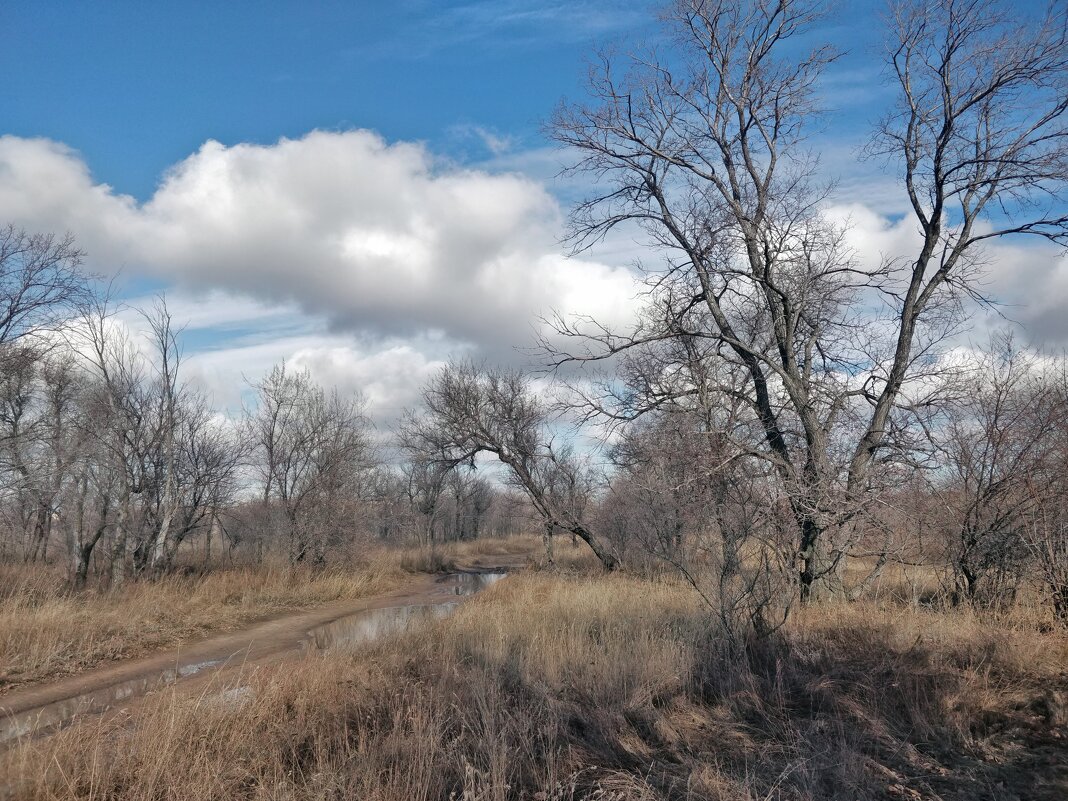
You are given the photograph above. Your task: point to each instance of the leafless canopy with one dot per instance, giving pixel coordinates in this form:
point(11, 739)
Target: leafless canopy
point(702, 146)
point(40, 281)
point(471, 410)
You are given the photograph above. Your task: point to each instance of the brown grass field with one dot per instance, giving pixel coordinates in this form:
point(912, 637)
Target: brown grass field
point(47, 632)
point(554, 686)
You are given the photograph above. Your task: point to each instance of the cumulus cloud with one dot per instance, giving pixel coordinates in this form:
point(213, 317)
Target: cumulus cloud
point(388, 374)
point(370, 262)
point(377, 238)
point(366, 262)
point(1025, 279)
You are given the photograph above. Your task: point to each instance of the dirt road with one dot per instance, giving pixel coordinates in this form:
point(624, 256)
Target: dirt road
point(41, 708)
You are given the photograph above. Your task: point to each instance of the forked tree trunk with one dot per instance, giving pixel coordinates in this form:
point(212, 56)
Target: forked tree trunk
point(83, 546)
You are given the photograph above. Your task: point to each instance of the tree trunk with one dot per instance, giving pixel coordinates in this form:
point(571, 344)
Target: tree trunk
point(298, 540)
point(608, 559)
point(159, 556)
point(158, 559)
point(820, 577)
point(82, 552)
point(207, 541)
point(118, 547)
point(39, 543)
point(547, 541)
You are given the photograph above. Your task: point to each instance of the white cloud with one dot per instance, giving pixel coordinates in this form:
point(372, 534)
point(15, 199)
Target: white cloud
point(216, 310)
point(496, 143)
point(366, 262)
point(507, 25)
point(369, 262)
point(377, 238)
point(387, 374)
point(874, 237)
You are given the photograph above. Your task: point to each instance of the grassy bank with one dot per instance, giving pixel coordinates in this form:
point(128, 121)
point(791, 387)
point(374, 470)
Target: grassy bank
point(554, 688)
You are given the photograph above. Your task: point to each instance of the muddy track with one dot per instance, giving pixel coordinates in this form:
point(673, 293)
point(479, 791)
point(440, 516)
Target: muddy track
point(41, 708)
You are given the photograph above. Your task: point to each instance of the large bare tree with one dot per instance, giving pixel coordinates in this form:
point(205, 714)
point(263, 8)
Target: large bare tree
point(702, 145)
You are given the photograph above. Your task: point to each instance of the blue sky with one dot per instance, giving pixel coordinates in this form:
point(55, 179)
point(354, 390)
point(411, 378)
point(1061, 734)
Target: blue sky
point(361, 188)
point(136, 86)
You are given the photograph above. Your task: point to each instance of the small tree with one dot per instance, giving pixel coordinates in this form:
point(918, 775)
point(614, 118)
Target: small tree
point(1001, 451)
point(470, 410)
point(311, 447)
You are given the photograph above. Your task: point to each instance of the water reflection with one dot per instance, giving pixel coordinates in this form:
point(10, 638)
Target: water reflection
point(59, 712)
point(374, 624)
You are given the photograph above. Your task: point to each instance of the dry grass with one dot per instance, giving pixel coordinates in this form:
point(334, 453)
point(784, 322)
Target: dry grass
point(518, 545)
point(447, 556)
point(46, 631)
point(551, 688)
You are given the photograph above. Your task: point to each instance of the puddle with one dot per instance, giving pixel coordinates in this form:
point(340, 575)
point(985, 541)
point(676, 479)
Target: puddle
point(374, 624)
point(470, 583)
point(59, 712)
point(347, 632)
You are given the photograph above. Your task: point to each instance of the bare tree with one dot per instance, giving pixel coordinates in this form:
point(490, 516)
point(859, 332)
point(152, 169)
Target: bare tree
point(311, 447)
point(60, 442)
point(191, 487)
point(46, 456)
point(470, 410)
point(1045, 534)
point(425, 474)
point(168, 398)
point(41, 283)
point(19, 389)
point(692, 499)
point(703, 148)
point(1000, 445)
point(469, 496)
point(87, 525)
point(119, 420)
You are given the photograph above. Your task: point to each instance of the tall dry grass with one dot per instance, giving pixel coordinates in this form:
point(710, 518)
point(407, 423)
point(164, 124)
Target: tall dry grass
point(552, 687)
point(520, 550)
point(46, 631)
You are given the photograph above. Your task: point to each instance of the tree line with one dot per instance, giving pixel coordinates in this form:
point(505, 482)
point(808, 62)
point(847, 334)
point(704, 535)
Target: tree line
point(111, 461)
